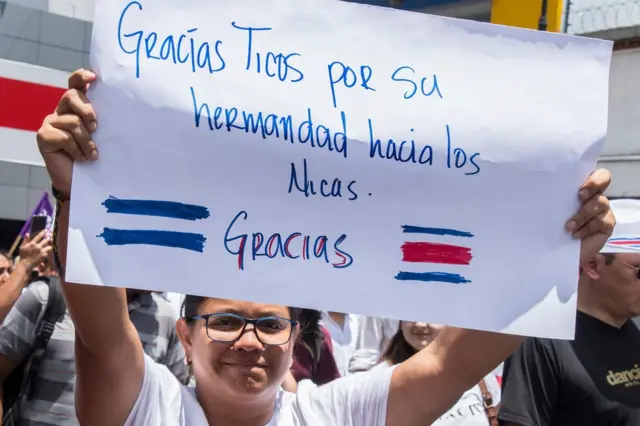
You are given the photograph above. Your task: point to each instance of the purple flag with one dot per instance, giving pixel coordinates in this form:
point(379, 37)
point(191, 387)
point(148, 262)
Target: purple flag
point(44, 208)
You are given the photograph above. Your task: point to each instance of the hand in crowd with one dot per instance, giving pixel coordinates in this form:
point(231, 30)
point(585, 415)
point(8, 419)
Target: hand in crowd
point(36, 250)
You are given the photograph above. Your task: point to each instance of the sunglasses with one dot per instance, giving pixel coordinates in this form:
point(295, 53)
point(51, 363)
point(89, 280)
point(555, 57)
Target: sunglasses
point(4, 270)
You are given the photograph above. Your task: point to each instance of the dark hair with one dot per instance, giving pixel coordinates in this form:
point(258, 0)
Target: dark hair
point(398, 350)
point(310, 331)
point(191, 304)
point(5, 254)
point(609, 258)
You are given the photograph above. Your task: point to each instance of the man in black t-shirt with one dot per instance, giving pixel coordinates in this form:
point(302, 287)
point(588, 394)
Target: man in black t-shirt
point(594, 379)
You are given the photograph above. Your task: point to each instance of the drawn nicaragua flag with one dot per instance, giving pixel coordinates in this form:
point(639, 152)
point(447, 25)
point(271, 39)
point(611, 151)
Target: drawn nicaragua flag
point(429, 252)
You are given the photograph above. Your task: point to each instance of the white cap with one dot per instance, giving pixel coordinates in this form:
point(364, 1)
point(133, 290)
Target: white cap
point(626, 234)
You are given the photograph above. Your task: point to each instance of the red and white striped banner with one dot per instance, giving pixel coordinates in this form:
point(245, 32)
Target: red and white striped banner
point(28, 93)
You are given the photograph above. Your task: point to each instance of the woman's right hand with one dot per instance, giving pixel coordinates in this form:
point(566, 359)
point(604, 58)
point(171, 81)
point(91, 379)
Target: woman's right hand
point(65, 135)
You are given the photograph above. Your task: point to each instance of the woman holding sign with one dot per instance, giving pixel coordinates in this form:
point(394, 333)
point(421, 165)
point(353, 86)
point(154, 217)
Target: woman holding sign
point(240, 351)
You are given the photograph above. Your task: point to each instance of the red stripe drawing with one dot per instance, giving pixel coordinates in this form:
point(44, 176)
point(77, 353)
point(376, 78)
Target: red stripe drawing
point(420, 252)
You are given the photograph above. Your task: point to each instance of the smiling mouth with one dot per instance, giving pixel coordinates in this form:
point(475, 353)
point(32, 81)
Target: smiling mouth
point(245, 365)
point(423, 335)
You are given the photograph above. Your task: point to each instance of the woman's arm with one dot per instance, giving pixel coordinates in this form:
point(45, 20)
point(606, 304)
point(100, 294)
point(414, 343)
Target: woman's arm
point(32, 252)
point(428, 384)
point(109, 355)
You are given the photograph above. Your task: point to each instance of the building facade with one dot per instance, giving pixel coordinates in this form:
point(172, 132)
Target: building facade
point(42, 40)
point(617, 20)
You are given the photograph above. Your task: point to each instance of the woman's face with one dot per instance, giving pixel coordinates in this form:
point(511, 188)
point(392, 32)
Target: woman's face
point(419, 334)
point(244, 368)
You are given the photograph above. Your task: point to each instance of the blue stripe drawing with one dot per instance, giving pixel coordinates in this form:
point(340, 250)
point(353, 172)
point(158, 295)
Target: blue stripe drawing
point(154, 237)
point(408, 229)
point(442, 277)
point(169, 209)
point(182, 240)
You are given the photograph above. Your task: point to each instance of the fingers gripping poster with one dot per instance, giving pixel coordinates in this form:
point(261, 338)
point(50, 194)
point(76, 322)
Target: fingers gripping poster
point(341, 157)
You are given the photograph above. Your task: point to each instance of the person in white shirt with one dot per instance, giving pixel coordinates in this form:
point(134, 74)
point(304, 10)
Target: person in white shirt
point(343, 329)
point(175, 299)
point(478, 405)
point(240, 351)
point(373, 337)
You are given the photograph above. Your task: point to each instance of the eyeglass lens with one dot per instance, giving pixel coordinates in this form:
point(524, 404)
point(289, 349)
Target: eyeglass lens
point(228, 327)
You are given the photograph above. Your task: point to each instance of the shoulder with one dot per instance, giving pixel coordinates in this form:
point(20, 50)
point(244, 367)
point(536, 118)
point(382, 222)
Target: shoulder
point(40, 290)
point(355, 399)
point(19, 329)
point(32, 302)
point(164, 400)
point(534, 348)
point(534, 356)
point(382, 364)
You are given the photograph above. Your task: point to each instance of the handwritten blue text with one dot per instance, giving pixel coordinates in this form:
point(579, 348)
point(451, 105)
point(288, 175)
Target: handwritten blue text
point(178, 49)
point(268, 124)
point(331, 188)
point(275, 65)
point(294, 246)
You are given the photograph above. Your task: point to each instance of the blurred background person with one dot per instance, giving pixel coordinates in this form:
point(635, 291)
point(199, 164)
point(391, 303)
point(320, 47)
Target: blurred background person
point(313, 353)
point(30, 265)
point(374, 336)
point(37, 355)
point(343, 329)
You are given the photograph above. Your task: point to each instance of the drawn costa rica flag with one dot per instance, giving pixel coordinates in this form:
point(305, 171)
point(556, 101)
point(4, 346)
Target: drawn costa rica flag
point(430, 252)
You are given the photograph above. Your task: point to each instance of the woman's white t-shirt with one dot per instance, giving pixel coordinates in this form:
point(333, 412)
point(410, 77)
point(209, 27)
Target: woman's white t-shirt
point(469, 410)
point(356, 400)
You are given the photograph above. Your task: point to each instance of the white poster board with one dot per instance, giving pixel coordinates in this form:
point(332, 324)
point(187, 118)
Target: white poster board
point(257, 164)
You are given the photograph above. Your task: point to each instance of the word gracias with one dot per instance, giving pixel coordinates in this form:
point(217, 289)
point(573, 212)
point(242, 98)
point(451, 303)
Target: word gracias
point(294, 246)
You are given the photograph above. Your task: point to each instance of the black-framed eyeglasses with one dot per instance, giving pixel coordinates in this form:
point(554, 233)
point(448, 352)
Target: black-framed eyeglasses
point(228, 328)
point(5, 269)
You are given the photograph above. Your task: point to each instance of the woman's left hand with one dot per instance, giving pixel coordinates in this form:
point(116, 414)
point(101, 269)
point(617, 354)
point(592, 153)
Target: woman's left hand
point(594, 223)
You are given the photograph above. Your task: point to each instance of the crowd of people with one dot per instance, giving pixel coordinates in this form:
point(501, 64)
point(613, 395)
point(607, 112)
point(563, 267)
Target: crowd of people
point(78, 354)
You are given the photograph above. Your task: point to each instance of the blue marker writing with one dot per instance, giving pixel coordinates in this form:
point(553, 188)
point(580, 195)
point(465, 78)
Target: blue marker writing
point(180, 49)
point(309, 132)
point(293, 246)
point(274, 65)
point(340, 73)
point(425, 87)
